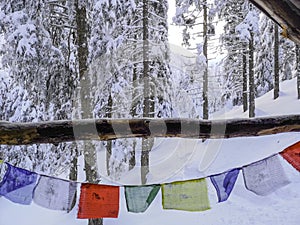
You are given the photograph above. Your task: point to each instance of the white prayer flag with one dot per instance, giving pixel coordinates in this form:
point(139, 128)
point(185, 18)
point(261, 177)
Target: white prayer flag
point(54, 194)
point(265, 176)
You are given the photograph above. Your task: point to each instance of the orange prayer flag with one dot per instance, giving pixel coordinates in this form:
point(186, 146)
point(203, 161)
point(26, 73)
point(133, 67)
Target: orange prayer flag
point(292, 155)
point(98, 201)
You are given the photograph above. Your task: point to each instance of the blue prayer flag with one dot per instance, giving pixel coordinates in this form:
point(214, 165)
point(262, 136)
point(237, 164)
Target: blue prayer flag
point(18, 185)
point(224, 183)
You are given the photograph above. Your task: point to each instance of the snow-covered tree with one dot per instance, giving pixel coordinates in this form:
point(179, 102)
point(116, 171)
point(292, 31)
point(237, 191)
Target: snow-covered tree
point(119, 37)
point(287, 56)
point(248, 31)
point(196, 19)
point(233, 13)
point(264, 66)
point(40, 78)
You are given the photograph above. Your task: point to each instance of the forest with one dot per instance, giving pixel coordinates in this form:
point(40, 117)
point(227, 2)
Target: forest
point(112, 59)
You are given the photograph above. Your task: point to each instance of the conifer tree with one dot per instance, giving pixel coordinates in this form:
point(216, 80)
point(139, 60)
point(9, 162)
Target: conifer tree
point(234, 13)
point(264, 65)
point(37, 67)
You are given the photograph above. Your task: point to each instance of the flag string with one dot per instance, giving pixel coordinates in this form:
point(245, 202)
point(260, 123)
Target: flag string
point(102, 200)
point(123, 185)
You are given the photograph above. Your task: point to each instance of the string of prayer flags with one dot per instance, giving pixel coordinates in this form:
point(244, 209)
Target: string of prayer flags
point(18, 184)
point(138, 198)
point(224, 183)
point(98, 201)
point(265, 176)
point(56, 194)
point(292, 155)
point(186, 195)
point(102, 201)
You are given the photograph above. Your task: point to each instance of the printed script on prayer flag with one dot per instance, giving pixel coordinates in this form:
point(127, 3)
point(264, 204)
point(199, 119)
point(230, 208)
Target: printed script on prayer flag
point(98, 201)
point(265, 176)
point(56, 194)
point(186, 195)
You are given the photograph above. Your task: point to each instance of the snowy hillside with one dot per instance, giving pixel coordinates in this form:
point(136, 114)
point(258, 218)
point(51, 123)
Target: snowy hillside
point(176, 159)
point(286, 104)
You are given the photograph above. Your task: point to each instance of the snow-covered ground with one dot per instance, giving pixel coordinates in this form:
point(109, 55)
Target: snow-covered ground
point(176, 159)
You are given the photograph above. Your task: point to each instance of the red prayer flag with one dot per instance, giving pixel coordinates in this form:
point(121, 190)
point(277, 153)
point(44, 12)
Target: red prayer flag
point(292, 155)
point(98, 201)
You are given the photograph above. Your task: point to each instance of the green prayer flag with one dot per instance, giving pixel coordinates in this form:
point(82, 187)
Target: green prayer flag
point(186, 195)
point(139, 198)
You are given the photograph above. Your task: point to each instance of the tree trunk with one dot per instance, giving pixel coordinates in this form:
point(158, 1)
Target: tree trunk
point(146, 77)
point(81, 38)
point(147, 103)
point(86, 107)
point(109, 143)
point(133, 113)
point(251, 78)
point(298, 69)
point(245, 81)
point(135, 99)
point(205, 75)
point(276, 62)
point(74, 170)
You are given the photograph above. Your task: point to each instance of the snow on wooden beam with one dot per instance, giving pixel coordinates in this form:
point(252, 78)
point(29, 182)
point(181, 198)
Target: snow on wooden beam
point(109, 129)
point(286, 13)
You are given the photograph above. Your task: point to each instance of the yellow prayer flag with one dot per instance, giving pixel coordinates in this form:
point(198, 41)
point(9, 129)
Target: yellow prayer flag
point(186, 195)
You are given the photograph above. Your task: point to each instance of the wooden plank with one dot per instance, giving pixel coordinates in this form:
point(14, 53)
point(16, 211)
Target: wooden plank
point(285, 12)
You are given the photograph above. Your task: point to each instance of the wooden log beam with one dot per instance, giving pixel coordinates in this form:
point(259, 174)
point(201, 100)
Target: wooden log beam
point(284, 12)
point(109, 129)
